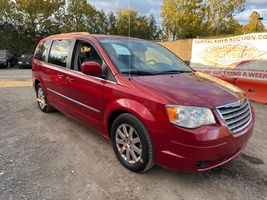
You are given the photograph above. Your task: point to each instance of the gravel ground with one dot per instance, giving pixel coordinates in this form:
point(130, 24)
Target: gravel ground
point(50, 156)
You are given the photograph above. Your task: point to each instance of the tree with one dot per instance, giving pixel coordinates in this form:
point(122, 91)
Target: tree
point(140, 26)
point(183, 18)
point(24, 22)
point(220, 16)
point(192, 18)
point(111, 24)
point(155, 33)
point(254, 24)
point(80, 17)
point(36, 15)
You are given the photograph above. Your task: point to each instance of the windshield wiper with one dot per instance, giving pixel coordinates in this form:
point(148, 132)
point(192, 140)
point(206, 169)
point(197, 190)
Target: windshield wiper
point(140, 73)
point(173, 72)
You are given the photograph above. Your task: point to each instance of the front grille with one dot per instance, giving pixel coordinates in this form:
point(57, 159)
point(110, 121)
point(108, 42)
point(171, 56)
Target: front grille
point(236, 115)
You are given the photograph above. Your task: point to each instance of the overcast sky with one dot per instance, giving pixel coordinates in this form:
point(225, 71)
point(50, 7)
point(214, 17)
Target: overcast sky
point(147, 7)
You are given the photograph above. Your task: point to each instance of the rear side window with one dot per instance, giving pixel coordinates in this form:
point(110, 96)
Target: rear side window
point(59, 52)
point(42, 50)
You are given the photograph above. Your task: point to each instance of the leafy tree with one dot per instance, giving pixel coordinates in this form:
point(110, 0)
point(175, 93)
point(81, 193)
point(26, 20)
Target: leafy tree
point(14, 36)
point(101, 23)
point(183, 18)
point(192, 18)
point(111, 24)
point(254, 24)
point(24, 22)
point(155, 33)
point(80, 16)
point(140, 26)
point(220, 15)
point(36, 15)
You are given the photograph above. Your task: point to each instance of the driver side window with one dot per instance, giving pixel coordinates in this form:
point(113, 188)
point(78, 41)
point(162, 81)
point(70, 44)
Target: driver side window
point(85, 52)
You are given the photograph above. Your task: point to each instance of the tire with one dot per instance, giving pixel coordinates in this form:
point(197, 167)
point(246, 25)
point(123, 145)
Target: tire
point(130, 136)
point(8, 65)
point(42, 101)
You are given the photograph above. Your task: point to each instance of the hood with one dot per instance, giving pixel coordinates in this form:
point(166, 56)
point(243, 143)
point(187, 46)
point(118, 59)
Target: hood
point(195, 89)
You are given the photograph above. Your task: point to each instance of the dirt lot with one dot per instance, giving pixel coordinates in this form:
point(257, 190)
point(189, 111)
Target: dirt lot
point(50, 156)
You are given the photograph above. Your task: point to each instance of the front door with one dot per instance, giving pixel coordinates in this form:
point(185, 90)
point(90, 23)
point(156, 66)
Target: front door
point(85, 92)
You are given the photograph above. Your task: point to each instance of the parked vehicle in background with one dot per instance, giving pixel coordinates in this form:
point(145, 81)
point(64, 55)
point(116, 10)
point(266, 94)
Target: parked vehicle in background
point(25, 61)
point(153, 107)
point(7, 59)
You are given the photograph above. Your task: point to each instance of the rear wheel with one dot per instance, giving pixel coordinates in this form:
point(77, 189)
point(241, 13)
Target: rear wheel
point(8, 65)
point(42, 100)
point(132, 143)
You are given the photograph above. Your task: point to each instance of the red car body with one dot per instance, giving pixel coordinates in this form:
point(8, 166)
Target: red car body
point(96, 102)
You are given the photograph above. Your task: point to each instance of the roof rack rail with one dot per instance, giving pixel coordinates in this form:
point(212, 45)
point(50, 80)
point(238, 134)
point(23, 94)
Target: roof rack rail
point(72, 33)
point(78, 33)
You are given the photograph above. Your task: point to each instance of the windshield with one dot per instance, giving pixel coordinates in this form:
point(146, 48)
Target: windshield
point(140, 57)
point(26, 56)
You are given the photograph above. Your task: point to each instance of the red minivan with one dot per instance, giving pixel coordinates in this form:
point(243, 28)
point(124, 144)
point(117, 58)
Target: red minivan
point(154, 108)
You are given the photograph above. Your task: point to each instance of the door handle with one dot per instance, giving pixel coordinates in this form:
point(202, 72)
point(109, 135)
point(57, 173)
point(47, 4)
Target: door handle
point(70, 78)
point(60, 76)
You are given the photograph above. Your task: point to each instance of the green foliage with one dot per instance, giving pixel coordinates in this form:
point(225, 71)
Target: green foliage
point(140, 26)
point(24, 22)
point(192, 18)
point(254, 24)
point(183, 18)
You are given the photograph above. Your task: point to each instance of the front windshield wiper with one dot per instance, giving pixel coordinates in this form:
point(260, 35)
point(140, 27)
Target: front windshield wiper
point(140, 73)
point(173, 72)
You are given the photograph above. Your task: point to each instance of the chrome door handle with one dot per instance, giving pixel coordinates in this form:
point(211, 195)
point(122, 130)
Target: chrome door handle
point(70, 78)
point(60, 76)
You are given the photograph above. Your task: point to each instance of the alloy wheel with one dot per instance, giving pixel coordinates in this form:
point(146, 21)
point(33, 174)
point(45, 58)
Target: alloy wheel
point(41, 98)
point(128, 143)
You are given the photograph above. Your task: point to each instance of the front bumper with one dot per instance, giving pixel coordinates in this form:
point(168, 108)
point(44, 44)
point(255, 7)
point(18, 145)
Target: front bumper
point(199, 149)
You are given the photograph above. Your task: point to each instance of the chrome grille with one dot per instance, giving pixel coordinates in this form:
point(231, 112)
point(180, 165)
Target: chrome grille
point(236, 115)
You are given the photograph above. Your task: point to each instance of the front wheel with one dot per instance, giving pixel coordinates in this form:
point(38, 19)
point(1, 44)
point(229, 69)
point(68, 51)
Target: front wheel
point(132, 144)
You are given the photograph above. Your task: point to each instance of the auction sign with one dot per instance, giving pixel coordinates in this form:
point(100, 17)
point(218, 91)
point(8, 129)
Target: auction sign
point(243, 56)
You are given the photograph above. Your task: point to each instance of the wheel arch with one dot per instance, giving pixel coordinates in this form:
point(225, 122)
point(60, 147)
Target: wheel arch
point(126, 106)
point(36, 82)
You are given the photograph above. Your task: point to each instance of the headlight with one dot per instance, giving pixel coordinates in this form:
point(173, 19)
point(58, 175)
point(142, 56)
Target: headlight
point(19, 62)
point(189, 116)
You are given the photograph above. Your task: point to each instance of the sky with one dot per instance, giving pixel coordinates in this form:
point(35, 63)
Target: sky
point(148, 7)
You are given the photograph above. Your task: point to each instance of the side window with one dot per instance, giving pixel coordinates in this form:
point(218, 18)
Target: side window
point(59, 52)
point(41, 51)
point(85, 52)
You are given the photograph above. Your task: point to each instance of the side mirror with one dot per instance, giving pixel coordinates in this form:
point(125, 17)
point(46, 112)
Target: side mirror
point(92, 68)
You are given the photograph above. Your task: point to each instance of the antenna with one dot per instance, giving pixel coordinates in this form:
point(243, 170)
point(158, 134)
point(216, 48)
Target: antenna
point(129, 35)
